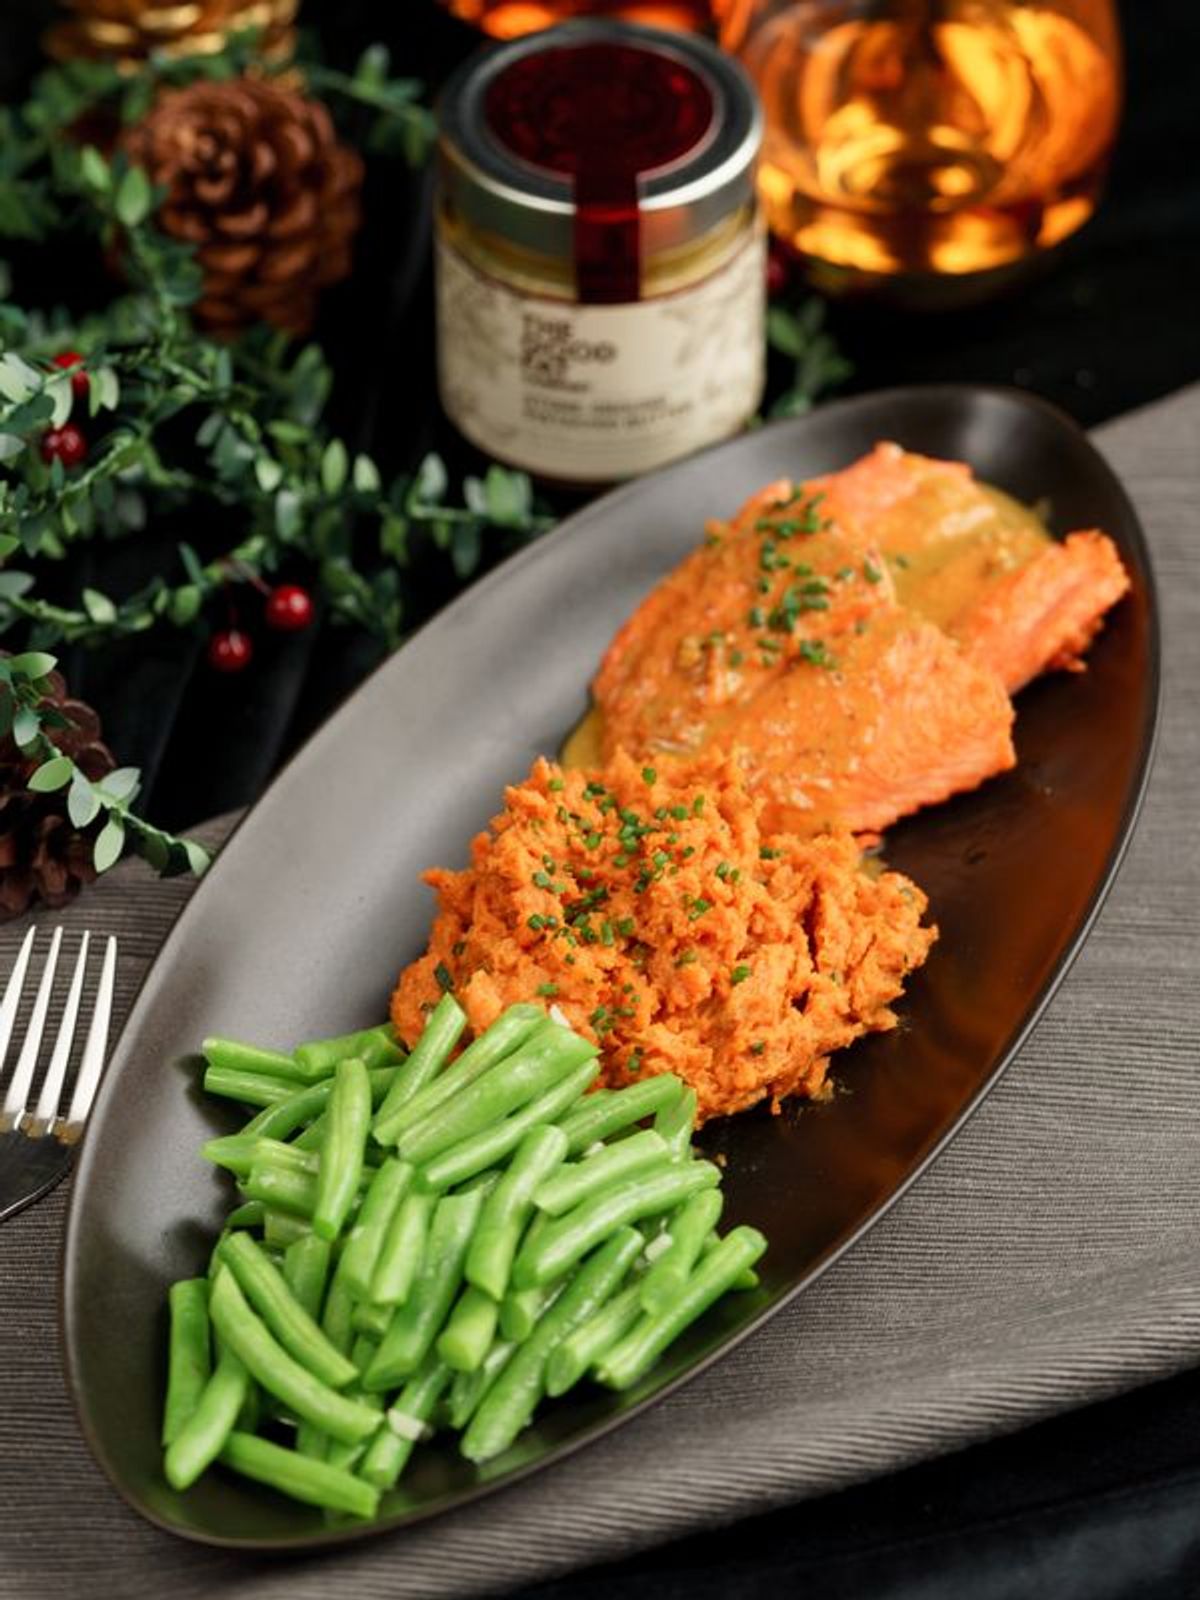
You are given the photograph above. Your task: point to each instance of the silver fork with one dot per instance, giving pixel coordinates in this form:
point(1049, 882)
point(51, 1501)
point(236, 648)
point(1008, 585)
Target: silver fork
point(37, 1146)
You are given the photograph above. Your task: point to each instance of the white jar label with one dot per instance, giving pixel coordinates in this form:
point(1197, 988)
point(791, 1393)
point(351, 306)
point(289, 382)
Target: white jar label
point(589, 393)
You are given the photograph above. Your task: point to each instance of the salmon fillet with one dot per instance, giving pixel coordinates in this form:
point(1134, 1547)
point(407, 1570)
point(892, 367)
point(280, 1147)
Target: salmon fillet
point(977, 564)
point(857, 638)
point(783, 636)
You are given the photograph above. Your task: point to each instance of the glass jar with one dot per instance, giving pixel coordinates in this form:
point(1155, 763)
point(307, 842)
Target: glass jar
point(922, 139)
point(600, 260)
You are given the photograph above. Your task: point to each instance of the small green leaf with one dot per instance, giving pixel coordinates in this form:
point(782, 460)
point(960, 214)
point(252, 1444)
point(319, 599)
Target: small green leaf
point(18, 380)
point(34, 664)
point(288, 517)
point(185, 604)
point(83, 803)
point(121, 784)
point(8, 543)
point(133, 200)
point(98, 607)
point(199, 859)
point(51, 775)
point(59, 390)
point(334, 465)
point(105, 390)
point(155, 849)
point(509, 496)
point(430, 480)
point(268, 472)
point(366, 475)
point(94, 169)
point(26, 727)
point(10, 446)
point(109, 844)
point(14, 584)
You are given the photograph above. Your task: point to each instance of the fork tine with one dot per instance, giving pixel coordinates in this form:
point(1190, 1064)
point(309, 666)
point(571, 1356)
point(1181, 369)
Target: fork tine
point(91, 1063)
point(12, 994)
point(47, 1106)
point(18, 1089)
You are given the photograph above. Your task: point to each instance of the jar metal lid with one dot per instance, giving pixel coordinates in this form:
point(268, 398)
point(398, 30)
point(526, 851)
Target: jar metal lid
point(495, 188)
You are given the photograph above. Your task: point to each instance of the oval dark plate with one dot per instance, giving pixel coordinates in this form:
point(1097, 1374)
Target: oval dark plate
point(313, 906)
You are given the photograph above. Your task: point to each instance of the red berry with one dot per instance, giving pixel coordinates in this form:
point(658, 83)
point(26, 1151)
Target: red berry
point(289, 608)
point(779, 269)
point(66, 444)
point(230, 651)
point(66, 359)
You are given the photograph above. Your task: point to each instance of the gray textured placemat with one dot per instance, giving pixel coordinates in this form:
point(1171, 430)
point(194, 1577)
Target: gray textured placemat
point(1048, 1259)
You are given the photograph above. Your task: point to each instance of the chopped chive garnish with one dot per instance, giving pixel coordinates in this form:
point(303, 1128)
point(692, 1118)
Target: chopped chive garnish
point(649, 775)
point(739, 975)
point(548, 989)
point(442, 973)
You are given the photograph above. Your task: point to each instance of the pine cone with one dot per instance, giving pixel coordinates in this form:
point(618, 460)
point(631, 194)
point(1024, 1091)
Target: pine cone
point(258, 183)
point(43, 856)
point(129, 30)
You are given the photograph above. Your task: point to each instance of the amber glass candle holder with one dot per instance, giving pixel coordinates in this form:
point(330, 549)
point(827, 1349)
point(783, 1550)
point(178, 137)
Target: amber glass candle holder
point(930, 147)
point(509, 19)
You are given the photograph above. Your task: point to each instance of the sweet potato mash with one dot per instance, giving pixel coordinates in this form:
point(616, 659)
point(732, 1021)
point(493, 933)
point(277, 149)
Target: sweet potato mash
point(650, 905)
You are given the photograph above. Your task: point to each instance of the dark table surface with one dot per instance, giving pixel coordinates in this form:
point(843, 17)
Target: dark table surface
point(1095, 1504)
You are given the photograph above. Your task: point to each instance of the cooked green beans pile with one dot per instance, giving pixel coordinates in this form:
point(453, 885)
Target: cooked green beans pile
point(423, 1244)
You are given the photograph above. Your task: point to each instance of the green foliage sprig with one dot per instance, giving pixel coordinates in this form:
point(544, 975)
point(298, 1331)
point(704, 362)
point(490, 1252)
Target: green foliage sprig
point(29, 712)
point(231, 434)
point(817, 363)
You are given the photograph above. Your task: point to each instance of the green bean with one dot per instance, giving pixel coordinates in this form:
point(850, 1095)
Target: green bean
point(250, 1214)
point(233, 1056)
point(267, 1291)
point(430, 1054)
point(403, 1249)
point(468, 1335)
point(348, 1121)
point(608, 1111)
point(189, 1361)
point(312, 1137)
point(247, 1335)
point(374, 1047)
point(592, 1339)
point(578, 1181)
point(285, 1116)
point(676, 1123)
point(571, 1236)
point(511, 1401)
point(315, 1482)
point(641, 1347)
point(405, 1423)
point(371, 1319)
point(337, 1319)
point(507, 1209)
point(365, 1240)
point(282, 1189)
point(745, 1280)
point(337, 1452)
point(200, 1439)
point(419, 1320)
point(498, 1141)
point(282, 1228)
point(238, 1153)
point(509, 1030)
point(251, 1088)
point(521, 1308)
point(548, 1055)
point(306, 1264)
point(689, 1228)
point(468, 1388)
